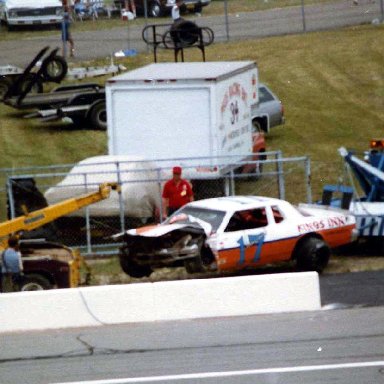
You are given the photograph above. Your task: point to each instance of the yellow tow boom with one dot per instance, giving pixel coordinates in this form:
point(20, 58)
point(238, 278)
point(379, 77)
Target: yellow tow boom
point(45, 215)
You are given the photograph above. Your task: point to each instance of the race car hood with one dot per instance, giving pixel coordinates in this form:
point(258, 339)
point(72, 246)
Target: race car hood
point(162, 229)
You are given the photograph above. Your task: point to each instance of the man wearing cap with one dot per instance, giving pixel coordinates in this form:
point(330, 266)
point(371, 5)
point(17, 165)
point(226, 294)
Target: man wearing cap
point(176, 193)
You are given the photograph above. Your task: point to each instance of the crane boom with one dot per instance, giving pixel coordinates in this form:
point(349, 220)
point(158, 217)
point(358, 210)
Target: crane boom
point(45, 215)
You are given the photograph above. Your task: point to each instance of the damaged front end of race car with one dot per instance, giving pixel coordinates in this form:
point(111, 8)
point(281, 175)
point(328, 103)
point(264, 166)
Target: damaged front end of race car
point(171, 245)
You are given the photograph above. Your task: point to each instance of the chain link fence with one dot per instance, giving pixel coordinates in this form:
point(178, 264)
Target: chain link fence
point(139, 202)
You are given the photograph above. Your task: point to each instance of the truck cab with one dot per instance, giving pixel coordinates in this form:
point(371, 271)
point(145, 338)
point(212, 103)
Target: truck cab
point(14, 13)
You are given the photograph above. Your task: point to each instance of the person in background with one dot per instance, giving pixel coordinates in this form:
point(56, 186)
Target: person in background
point(66, 35)
point(12, 266)
point(176, 10)
point(176, 193)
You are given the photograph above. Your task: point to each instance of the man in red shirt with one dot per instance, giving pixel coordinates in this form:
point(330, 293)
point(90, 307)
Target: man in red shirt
point(176, 193)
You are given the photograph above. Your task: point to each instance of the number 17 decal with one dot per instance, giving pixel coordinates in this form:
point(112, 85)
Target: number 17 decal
point(249, 240)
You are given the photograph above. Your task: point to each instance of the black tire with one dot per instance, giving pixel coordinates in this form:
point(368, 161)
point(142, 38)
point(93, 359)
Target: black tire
point(97, 116)
point(194, 265)
point(54, 69)
point(184, 32)
point(133, 269)
point(35, 282)
point(37, 86)
point(312, 255)
point(155, 9)
point(5, 84)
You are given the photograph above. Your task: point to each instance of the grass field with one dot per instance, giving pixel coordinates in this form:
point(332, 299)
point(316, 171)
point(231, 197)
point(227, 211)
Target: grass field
point(331, 84)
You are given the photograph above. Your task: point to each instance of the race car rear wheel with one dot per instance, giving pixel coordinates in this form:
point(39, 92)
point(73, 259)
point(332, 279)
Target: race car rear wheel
point(312, 255)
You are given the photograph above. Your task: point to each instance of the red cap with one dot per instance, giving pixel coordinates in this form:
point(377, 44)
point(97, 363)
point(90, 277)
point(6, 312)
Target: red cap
point(177, 170)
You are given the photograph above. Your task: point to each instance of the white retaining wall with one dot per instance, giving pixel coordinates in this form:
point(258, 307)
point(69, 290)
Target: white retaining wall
point(160, 301)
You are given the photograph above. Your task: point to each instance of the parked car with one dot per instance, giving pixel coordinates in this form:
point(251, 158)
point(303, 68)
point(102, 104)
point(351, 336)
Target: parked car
point(269, 112)
point(158, 8)
point(233, 233)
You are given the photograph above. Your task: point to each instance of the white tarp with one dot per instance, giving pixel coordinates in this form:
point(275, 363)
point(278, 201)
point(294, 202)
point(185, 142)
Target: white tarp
point(141, 191)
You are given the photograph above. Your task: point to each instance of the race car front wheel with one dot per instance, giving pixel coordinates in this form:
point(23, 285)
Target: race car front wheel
point(131, 268)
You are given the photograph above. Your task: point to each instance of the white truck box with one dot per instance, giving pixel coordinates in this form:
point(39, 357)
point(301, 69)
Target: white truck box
point(183, 110)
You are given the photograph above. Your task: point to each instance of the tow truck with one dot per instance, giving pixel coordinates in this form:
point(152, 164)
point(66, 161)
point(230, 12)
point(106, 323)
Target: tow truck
point(48, 264)
point(368, 206)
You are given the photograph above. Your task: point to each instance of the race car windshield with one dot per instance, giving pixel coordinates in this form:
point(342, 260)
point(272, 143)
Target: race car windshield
point(210, 216)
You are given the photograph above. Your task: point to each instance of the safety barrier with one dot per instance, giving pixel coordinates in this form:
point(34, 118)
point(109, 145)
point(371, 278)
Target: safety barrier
point(160, 301)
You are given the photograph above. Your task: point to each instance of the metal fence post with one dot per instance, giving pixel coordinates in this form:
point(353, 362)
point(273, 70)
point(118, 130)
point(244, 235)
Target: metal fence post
point(303, 16)
point(10, 198)
point(87, 220)
point(121, 198)
point(158, 170)
point(280, 175)
point(307, 165)
point(226, 18)
point(382, 10)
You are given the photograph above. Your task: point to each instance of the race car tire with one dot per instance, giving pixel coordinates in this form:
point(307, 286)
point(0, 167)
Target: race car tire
point(194, 265)
point(5, 84)
point(133, 269)
point(55, 69)
point(35, 282)
point(312, 255)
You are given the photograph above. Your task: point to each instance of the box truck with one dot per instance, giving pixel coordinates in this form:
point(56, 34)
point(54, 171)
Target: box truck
point(198, 113)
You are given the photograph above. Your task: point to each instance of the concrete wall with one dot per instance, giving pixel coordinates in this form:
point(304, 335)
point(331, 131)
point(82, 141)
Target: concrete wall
point(161, 301)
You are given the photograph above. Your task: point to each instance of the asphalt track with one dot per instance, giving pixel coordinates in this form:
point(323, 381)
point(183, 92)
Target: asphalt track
point(342, 343)
point(104, 43)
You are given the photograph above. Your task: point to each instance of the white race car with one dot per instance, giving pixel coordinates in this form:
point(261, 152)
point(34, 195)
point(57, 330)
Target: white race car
point(232, 233)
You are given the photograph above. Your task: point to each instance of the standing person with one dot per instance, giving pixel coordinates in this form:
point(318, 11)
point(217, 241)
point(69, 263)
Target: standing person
point(66, 35)
point(176, 10)
point(176, 193)
point(12, 266)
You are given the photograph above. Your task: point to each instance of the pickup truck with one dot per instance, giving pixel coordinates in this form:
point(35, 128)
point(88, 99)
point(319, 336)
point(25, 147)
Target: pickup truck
point(269, 112)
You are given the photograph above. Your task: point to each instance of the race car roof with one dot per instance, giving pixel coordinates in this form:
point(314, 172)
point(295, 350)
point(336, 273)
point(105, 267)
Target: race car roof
point(235, 203)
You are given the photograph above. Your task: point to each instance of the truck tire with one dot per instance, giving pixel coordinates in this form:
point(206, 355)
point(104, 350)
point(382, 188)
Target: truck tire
point(312, 255)
point(54, 69)
point(35, 282)
point(5, 84)
point(97, 116)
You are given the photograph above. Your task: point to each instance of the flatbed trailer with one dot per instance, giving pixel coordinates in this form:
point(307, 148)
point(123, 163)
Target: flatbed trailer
point(83, 103)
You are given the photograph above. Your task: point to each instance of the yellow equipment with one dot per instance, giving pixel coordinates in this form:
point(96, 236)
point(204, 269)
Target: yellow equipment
point(58, 254)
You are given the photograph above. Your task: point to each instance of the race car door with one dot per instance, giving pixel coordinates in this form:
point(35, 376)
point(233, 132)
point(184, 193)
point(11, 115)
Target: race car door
point(244, 237)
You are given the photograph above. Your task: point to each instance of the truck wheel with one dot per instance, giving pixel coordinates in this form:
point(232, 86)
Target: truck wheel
point(55, 69)
point(312, 255)
point(97, 116)
point(194, 265)
point(133, 269)
point(5, 84)
point(34, 282)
